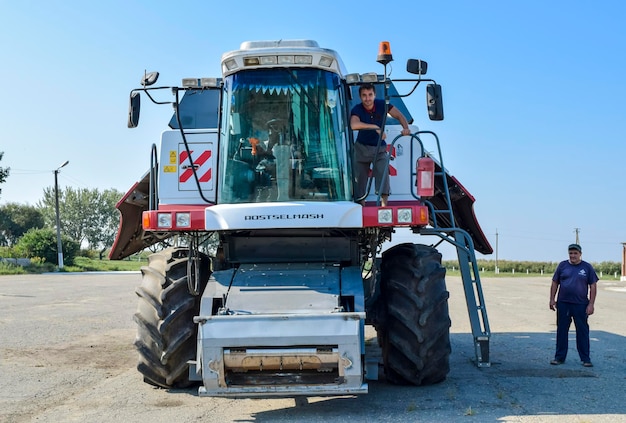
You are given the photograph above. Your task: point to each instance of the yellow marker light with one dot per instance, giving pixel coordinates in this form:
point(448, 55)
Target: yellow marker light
point(164, 220)
point(405, 215)
point(183, 220)
point(385, 216)
point(423, 216)
point(145, 220)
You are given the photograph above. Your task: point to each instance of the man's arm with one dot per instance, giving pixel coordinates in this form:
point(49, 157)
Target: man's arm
point(553, 289)
point(593, 289)
point(397, 114)
point(357, 125)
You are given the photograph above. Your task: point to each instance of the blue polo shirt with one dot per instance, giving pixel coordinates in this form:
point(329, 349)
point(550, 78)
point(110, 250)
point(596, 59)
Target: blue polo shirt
point(374, 116)
point(574, 281)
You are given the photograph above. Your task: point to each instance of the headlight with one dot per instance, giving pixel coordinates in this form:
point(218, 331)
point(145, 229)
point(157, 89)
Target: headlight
point(268, 60)
point(385, 216)
point(304, 60)
point(405, 215)
point(183, 220)
point(231, 64)
point(190, 82)
point(326, 61)
point(164, 220)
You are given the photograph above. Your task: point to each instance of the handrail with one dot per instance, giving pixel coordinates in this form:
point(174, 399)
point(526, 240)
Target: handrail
point(153, 192)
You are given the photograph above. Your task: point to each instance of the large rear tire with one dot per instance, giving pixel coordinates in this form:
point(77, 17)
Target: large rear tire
point(415, 330)
point(166, 334)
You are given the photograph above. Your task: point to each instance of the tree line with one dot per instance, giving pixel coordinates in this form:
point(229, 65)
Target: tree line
point(545, 267)
point(88, 219)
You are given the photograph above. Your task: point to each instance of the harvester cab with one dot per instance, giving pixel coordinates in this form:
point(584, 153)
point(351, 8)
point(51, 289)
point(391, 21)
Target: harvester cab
point(278, 266)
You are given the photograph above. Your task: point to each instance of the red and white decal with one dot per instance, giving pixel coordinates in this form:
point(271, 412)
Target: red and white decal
point(201, 160)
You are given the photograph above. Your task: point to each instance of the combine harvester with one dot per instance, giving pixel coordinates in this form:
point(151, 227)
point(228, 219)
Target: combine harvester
point(278, 267)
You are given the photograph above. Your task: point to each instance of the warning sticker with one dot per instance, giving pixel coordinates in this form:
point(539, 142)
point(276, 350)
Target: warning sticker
point(195, 166)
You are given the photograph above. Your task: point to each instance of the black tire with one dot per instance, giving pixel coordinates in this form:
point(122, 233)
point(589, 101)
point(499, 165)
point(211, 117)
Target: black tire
point(166, 334)
point(415, 331)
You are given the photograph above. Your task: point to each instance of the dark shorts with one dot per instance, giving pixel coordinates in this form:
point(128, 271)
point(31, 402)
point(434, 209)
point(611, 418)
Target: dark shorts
point(365, 156)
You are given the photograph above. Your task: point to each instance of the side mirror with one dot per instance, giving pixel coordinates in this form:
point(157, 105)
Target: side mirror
point(133, 109)
point(149, 79)
point(416, 66)
point(434, 102)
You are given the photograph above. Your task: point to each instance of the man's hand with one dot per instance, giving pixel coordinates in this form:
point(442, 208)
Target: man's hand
point(406, 131)
point(590, 309)
point(553, 289)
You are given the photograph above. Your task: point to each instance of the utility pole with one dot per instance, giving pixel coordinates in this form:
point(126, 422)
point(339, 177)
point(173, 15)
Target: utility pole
point(623, 277)
point(56, 197)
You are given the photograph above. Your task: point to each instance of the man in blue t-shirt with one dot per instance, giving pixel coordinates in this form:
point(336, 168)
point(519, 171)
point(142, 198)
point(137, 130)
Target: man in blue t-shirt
point(367, 118)
point(573, 279)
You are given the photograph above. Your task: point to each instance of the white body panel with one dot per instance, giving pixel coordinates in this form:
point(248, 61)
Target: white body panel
point(340, 214)
point(177, 184)
point(402, 185)
point(286, 47)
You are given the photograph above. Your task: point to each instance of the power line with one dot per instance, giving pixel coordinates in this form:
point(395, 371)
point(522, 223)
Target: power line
point(28, 172)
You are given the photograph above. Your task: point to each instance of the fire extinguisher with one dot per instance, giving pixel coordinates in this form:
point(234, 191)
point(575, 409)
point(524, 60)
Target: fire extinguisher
point(425, 177)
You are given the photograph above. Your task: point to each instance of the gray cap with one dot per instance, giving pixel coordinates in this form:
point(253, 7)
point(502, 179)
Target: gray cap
point(575, 247)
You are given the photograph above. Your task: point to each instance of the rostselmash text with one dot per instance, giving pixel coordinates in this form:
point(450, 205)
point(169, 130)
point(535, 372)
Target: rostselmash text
point(284, 216)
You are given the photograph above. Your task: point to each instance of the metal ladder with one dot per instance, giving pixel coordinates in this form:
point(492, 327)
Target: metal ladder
point(466, 255)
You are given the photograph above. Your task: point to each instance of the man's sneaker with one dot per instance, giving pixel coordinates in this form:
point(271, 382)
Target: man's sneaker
point(587, 364)
point(556, 362)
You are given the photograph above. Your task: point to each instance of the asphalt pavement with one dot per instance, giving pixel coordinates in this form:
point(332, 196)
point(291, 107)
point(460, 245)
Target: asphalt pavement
point(66, 354)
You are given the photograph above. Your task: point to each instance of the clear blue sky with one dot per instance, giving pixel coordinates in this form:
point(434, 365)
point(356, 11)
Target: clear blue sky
point(534, 96)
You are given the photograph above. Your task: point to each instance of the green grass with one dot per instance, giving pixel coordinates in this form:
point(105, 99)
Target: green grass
point(81, 264)
point(84, 264)
point(9, 269)
point(492, 274)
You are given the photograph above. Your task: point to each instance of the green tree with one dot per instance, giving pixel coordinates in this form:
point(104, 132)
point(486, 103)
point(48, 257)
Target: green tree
point(87, 215)
point(74, 210)
point(102, 234)
point(4, 172)
point(16, 219)
point(43, 243)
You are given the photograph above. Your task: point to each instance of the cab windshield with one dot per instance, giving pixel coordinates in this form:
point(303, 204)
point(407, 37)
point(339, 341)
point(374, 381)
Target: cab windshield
point(283, 137)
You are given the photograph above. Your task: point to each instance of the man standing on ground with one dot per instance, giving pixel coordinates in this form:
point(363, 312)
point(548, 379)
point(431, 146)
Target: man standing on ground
point(367, 118)
point(573, 279)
